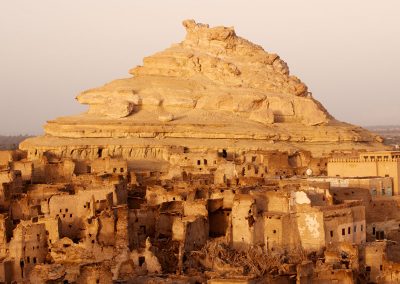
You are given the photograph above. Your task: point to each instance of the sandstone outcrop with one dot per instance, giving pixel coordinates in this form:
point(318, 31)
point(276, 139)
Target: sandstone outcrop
point(213, 85)
point(212, 69)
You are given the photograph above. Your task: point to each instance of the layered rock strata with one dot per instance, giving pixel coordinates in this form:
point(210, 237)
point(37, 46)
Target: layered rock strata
point(214, 90)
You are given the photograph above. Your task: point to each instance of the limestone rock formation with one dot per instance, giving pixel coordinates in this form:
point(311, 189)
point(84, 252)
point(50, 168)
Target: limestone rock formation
point(212, 69)
point(213, 85)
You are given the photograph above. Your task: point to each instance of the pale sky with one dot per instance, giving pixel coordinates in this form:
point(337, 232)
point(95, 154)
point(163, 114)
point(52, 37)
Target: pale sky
point(347, 52)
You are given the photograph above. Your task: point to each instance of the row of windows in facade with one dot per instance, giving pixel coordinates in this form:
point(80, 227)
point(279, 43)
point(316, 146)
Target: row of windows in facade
point(383, 191)
point(204, 162)
point(348, 230)
point(64, 215)
point(28, 260)
point(33, 248)
point(115, 170)
point(87, 205)
point(381, 158)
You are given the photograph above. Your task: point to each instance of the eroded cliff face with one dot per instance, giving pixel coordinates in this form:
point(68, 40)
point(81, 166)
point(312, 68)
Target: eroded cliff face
point(213, 90)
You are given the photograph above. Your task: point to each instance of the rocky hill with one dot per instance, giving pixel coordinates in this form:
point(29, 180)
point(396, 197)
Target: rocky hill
point(213, 90)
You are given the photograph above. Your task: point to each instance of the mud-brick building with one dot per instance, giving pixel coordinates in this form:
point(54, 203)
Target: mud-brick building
point(368, 164)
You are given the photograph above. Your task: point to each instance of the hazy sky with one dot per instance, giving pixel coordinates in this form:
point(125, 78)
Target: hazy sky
point(347, 52)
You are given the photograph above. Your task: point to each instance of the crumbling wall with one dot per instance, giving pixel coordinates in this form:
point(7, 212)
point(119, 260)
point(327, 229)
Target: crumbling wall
point(109, 166)
point(5, 230)
point(10, 184)
point(106, 233)
point(277, 231)
point(192, 231)
point(28, 247)
point(71, 211)
point(25, 167)
point(310, 224)
point(142, 223)
point(374, 255)
point(156, 195)
point(95, 274)
point(46, 172)
point(246, 225)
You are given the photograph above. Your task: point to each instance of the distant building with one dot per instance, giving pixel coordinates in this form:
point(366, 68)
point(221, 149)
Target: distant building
point(377, 186)
point(368, 164)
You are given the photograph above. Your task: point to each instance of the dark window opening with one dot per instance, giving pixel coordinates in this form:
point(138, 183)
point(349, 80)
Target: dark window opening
point(380, 235)
point(205, 162)
point(141, 260)
point(349, 230)
point(373, 230)
point(198, 162)
point(343, 232)
point(22, 264)
point(100, 152)
point(224, 153)
point(34, 260)
point(331, 233)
